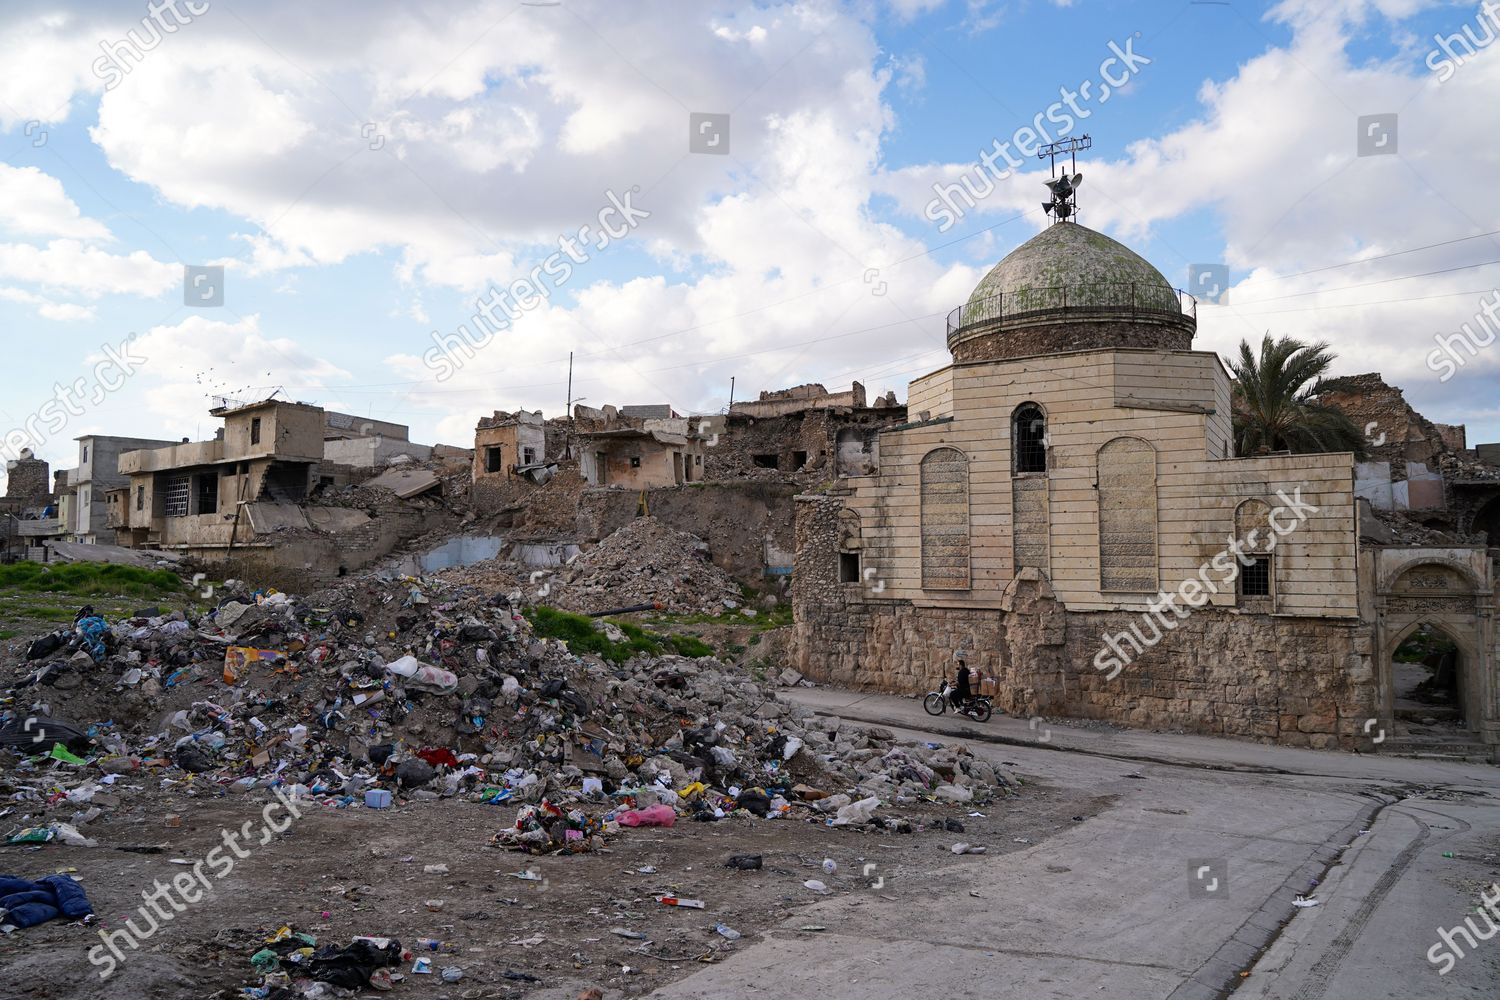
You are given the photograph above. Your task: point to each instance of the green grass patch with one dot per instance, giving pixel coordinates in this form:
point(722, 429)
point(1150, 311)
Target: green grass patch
point(43, 612)
point(6, 633)
point(690, 645)
point(579, 633)
point(88, 579)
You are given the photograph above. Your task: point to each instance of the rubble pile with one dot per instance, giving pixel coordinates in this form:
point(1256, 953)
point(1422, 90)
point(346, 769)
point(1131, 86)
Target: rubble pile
point(380, 693)
point(642, 563)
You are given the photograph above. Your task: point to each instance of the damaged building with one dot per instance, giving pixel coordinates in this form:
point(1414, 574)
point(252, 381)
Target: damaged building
point(245, 497)
point(29, 513)
point(802, 431)
point(1065, 509)
point(510, 444)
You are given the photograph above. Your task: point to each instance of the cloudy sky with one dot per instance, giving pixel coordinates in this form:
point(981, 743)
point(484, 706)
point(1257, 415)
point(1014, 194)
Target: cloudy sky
point(365, 171)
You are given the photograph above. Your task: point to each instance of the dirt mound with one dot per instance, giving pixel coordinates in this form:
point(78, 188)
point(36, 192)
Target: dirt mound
point(645, 562)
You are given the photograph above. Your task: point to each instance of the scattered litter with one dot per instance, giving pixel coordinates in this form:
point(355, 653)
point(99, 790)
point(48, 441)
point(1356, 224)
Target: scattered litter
point(692, 904)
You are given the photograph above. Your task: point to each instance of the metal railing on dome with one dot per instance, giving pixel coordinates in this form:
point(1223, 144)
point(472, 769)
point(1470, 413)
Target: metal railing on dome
point(1129, 297)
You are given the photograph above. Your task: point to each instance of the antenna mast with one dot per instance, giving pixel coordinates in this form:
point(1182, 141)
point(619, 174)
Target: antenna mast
point(1064, 203)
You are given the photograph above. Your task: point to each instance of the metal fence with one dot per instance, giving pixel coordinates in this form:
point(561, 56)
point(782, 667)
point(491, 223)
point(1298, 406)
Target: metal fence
point(1130, 297)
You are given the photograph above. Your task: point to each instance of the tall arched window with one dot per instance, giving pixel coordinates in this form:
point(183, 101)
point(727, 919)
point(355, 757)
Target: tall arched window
point(945, 520)
point(1256, 583)
point(1028, 439)
point(1127, 516)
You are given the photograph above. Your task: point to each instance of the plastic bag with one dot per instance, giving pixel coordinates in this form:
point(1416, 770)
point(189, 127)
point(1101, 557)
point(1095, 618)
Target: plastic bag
point(857, 812)
point(657, 815)
point(423, 676)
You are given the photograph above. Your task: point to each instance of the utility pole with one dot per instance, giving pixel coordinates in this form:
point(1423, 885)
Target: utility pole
point(572, 423)
point(731, 393)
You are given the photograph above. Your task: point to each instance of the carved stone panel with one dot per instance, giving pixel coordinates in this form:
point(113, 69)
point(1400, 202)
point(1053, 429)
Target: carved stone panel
point(945, 520)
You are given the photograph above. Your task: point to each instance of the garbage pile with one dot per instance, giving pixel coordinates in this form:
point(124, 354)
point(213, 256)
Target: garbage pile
point(425, 689)
point(382, 693)
point(645, 562)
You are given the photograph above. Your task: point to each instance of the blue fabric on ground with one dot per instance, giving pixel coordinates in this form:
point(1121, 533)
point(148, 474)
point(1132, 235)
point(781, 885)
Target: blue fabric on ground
point(30, 903)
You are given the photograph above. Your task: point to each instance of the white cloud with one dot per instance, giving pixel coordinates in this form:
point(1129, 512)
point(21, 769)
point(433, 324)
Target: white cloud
point(46, 308)
point(71, 266)
point(190, 362)
point(33, 203)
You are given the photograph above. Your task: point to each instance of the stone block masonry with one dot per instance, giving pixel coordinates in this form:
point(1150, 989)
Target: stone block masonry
point(1303, 682)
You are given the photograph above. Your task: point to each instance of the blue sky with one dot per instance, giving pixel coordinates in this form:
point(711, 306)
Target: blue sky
point(365, 172)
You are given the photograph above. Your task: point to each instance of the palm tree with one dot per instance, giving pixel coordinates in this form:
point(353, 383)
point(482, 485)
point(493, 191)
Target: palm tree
point(1275, 401)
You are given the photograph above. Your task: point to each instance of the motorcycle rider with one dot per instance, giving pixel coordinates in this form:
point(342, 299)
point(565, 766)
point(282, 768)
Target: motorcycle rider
point(962, 696)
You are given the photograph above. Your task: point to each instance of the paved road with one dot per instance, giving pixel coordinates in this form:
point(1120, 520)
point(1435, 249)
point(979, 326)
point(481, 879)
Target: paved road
point(1115, 907)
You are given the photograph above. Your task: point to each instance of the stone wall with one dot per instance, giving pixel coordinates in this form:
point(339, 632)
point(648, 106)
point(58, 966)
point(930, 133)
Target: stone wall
point(1295, 681)
point(29, 479)
point(1394, 432)
point(1025, 340)
point(729, 454)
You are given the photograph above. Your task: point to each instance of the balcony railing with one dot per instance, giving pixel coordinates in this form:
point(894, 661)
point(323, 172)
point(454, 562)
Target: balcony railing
point(1083, 299)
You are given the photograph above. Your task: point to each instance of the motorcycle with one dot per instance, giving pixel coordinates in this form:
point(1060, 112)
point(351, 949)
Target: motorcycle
point(939, 701)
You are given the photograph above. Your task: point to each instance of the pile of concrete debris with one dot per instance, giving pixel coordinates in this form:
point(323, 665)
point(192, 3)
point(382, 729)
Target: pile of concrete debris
point(642, 563)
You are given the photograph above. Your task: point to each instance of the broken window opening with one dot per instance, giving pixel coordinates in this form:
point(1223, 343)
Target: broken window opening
point(494, 458)
point(208, 494)
point(528, 456)
point(848, 567)
point(140, 498)
point(1255, 579)
point(255, 430)
point(764, 461)
point(635, 461)
point(1029, 434)
point(799, 459)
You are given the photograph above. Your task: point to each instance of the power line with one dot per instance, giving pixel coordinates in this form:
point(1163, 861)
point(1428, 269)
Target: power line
point(1378, 302)
point(1367, 260)
point(1368, 284)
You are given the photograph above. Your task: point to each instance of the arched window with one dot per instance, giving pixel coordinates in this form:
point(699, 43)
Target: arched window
point(1028, 439)
point(1127, 516)
point(945, 520)
point(1256, 582)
